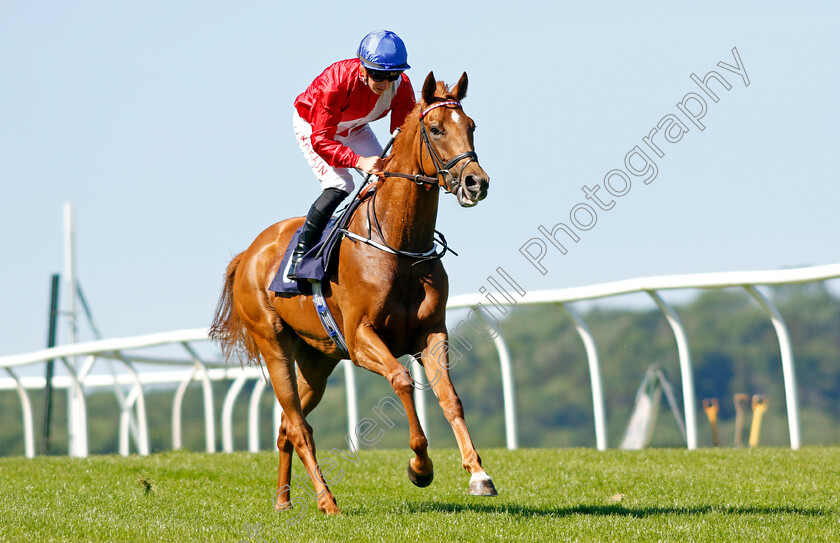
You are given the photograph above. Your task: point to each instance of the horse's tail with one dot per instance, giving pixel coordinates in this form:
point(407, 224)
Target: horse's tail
point(227, 330)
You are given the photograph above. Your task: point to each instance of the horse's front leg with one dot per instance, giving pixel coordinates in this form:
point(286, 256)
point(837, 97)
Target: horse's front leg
point(436, 363)
point(371, 353)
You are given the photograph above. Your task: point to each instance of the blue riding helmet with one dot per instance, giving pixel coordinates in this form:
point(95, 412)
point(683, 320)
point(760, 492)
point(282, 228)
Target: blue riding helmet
point(384, 51)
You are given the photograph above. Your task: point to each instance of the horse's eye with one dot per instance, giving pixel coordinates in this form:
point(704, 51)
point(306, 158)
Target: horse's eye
point(435, 130)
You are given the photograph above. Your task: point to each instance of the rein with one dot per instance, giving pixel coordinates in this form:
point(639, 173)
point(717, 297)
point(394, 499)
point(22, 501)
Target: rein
point(432, 254)
point(450, 182)
point(419, 179)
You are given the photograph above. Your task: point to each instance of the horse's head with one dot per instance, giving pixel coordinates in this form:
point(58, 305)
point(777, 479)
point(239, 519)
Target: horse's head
point(447, 148)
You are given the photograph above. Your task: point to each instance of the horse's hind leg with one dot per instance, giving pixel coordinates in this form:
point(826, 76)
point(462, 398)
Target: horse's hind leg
point(313, 371)
point(277, 351)
point(436, 364)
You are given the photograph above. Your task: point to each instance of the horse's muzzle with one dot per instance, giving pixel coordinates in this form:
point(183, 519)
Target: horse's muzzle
point(472, 190)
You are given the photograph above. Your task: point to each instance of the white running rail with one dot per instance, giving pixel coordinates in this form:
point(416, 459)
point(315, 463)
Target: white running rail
point(134, 426)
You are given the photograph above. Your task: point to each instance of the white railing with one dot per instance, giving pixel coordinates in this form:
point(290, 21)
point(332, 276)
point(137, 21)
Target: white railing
point(133, 422)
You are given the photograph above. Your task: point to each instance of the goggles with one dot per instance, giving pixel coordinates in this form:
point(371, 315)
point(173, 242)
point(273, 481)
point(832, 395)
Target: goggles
point(383, 76)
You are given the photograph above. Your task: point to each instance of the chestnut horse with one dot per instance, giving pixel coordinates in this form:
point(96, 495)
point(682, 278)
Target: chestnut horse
point(387, 296)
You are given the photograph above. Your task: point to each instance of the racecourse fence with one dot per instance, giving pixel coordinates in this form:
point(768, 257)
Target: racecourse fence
point(122, 357)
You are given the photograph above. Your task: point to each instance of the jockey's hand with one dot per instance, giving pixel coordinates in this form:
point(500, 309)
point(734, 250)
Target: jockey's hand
point(370, 164)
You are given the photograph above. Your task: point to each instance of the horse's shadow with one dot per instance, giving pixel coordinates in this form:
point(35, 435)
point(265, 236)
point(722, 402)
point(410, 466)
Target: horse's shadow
point(605, 510)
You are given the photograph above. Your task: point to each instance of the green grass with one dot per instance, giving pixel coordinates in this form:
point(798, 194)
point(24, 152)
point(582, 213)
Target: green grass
point(544, 495)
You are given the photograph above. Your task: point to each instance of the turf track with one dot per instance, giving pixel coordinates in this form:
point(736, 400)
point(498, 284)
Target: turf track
point(545, 495)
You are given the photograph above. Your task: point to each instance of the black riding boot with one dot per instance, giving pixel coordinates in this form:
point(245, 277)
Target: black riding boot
point(316, 220)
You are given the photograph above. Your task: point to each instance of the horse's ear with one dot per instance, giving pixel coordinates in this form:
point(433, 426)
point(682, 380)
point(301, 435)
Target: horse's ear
point(429, 87)
point(460, 90)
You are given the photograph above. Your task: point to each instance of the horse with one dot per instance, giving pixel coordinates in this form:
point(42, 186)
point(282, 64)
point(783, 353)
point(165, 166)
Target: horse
point(388, 295)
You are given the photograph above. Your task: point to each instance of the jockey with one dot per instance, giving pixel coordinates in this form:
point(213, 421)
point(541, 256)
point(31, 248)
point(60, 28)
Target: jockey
point(331, 124)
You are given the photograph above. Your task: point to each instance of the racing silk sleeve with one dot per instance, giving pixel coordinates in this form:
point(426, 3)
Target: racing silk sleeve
point(339, 101)
point(324, 118)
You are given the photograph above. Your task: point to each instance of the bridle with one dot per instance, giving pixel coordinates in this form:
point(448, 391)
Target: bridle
point(444, 178)
point(443, 175)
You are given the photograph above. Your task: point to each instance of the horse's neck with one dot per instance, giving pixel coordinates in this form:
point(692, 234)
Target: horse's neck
point(406, 213)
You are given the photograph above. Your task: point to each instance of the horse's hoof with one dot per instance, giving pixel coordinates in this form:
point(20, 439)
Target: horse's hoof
point(482, 485)
point(282, 506)
point(329, 506)
point(334, 510)
point(420, 480)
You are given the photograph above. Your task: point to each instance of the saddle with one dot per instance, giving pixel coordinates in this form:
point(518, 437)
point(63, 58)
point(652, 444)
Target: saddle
point(322, 259)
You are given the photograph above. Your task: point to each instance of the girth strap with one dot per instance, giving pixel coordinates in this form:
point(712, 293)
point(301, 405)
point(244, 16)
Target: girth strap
point(327, 320)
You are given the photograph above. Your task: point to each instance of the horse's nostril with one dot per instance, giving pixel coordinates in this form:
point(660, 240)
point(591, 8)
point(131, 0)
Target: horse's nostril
point(476, 186)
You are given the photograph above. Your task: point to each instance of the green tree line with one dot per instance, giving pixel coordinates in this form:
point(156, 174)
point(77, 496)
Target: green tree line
point(734, 349)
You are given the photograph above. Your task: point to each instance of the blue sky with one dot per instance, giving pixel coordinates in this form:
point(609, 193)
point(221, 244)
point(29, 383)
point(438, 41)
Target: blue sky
point(168, 126)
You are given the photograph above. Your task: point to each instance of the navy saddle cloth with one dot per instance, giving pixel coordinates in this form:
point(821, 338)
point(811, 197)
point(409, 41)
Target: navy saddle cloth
point(318, 263)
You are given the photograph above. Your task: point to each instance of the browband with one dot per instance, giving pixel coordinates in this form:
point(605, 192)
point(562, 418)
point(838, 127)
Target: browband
point(440, 104)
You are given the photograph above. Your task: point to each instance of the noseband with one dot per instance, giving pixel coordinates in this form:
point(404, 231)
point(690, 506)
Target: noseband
point(450, 182)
